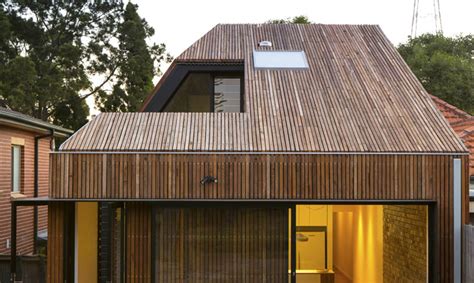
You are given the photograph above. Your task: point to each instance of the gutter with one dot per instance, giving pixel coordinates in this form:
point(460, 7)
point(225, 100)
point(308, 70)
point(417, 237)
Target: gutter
point(36, 185)
point(15, 121)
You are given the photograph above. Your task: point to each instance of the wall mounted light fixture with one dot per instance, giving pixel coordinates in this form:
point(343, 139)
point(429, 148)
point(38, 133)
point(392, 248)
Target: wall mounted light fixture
point(208, 179)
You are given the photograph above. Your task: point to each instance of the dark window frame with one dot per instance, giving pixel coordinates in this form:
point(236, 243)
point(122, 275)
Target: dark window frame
point(211, 87)
point(178, 73)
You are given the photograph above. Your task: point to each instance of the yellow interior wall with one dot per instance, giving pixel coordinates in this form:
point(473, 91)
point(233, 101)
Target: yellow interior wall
point(367, 241)
point(86, 241)
point(317, 215)
point(343, 236)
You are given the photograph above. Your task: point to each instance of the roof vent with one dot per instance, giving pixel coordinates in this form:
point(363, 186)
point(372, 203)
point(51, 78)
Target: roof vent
point(265, 43)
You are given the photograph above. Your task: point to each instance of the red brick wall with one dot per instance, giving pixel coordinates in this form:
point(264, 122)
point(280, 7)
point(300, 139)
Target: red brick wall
point(25, 214)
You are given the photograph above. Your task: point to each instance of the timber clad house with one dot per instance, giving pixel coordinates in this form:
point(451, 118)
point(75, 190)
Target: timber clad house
point(266, 153)
point(25, 144)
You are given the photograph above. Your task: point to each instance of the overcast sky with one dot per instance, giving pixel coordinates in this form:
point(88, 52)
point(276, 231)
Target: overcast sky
point(179, 23)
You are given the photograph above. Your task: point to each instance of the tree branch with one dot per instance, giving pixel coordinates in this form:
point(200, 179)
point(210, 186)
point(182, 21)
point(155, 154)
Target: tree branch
point(101, 85)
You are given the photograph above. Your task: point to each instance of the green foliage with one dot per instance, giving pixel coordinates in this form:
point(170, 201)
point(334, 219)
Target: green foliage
point(445, 67)
point(295, 20)
point(55, 54)
point(136, 68)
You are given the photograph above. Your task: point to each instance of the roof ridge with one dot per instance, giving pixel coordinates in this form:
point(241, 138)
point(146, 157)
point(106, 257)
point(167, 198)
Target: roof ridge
point(295, 24)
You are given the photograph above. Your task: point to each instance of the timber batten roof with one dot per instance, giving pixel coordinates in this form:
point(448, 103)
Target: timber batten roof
point(357, 95)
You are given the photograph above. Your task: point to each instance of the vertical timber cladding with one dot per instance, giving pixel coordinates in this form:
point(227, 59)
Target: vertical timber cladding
point(60, 259)
point(206, 244)
point(138, 243)
point(56, 214)
point(257, 176)
point(221, 244)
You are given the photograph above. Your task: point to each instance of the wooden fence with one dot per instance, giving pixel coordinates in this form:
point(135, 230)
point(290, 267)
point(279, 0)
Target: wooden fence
point(468, 253)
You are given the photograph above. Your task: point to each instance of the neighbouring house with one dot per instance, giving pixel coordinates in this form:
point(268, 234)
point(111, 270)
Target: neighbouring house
point(25, 144)
point(463, 124)
point(266, 153)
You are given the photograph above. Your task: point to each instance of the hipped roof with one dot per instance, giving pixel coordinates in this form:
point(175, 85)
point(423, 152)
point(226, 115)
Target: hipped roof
point(358, 95)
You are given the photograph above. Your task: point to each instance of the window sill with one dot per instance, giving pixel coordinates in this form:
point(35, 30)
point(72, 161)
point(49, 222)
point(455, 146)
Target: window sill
point(17, 195)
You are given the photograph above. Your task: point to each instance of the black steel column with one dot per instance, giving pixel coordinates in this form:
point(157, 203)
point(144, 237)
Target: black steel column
point(36, 186)
point(13, 243)
point(433, 243)
point(293, 244)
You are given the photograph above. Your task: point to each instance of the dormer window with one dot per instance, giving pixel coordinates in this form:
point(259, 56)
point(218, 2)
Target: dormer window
point(208, 92)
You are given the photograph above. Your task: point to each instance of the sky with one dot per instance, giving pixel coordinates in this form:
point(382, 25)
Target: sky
point(179, 23)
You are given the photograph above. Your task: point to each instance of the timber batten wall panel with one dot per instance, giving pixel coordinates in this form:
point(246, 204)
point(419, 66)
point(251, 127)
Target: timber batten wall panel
point(138, 243)
point(272, 176)
point(55, 266)
point(221, 244)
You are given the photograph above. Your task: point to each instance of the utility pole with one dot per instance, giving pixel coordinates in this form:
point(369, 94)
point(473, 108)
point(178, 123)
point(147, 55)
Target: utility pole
point(419, 12)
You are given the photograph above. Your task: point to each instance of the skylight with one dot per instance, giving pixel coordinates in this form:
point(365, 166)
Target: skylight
point(279, 60)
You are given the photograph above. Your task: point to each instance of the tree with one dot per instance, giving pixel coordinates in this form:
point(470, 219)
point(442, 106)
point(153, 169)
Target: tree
point(55, 54)
point(135, 68)
point(295, 20)
point(444, 65)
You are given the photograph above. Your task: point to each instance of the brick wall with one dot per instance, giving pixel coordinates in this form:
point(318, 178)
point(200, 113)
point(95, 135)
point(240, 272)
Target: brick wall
point(25, 214)
point(405, 233)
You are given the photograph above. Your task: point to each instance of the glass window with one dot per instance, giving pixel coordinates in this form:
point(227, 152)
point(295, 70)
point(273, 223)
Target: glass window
point(471, 186)
point(227, 94)
point(193, 95)
point(16, 168)
point(280, 60)
point(203, 92)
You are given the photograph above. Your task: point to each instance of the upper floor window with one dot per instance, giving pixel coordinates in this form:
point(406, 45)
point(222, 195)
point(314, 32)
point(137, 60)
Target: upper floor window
point(207, 92)
point(16, 168)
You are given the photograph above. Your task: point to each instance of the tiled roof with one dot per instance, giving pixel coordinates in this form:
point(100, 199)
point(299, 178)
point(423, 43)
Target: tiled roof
point(450, 112)
point(462, 123)
point(358, 95)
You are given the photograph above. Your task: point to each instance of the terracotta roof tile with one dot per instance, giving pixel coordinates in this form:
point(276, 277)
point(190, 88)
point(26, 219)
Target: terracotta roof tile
point(462, 123)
